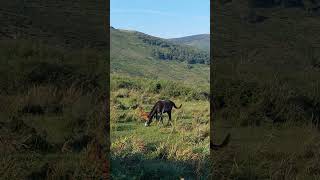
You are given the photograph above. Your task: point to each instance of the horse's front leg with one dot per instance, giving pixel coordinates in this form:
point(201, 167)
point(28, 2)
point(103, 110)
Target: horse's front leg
point(161, 116)
point(157, 118)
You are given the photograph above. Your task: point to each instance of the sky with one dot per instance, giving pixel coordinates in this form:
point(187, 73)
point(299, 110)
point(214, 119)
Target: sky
point(162, 18)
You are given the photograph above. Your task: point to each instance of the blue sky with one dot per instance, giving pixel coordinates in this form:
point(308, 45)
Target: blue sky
point(162, 18)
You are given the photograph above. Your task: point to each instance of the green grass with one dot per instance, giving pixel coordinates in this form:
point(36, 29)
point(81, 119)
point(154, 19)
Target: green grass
point(180, 150)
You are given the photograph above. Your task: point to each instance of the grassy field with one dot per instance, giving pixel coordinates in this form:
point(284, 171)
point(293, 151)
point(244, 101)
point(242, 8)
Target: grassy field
point(158, 151)
point(266, 90)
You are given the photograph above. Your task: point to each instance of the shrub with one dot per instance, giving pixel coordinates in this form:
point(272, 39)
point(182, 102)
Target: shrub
point(122, 93)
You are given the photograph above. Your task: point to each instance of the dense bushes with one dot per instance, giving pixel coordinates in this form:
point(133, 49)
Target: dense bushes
point(165, 89)
point(24, 63)
point(248, 101)
point(165, 50)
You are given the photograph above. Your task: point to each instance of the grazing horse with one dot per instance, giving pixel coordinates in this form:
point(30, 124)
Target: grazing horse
point(162, 106)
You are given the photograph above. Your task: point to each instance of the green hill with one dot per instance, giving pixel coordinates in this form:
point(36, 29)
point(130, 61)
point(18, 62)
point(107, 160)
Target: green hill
point(140, 55)
point(201, 41)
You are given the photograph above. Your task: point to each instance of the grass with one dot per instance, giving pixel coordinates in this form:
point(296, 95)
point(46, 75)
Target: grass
point(268, 153)
point(158, 151)
point(266, 95)
point(51, 112)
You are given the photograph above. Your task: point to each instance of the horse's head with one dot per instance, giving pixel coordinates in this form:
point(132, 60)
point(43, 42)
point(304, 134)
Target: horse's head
point(145, 117)
point(143, 114)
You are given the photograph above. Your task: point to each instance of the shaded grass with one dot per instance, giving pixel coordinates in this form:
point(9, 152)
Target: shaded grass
point(267, 153)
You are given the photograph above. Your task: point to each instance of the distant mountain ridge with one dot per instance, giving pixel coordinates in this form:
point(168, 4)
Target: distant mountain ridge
point(201, 41)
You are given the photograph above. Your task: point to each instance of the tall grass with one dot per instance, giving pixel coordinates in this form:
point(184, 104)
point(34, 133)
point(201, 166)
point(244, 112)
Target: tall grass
point(52, 110)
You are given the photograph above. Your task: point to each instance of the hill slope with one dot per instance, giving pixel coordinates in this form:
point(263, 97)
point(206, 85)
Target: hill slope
point(137, 54)
point(201, 41)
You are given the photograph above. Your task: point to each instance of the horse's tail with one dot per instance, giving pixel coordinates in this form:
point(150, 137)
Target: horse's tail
point(223, 144)
point(174, 105)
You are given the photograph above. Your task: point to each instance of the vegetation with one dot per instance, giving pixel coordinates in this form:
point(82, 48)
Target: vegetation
point(165, 50)
point(52, 90)
point(201, 41)
point(52, 112)
point(265, 84)
point(130, 56)
point(144, 70)
point(158, 151)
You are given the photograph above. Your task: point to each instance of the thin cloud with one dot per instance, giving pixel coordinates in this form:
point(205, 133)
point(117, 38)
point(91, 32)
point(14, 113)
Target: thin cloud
point(141, 11)
point(155, 12)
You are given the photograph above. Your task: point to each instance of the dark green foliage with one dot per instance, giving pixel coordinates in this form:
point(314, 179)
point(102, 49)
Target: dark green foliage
point(38, 64)
point(260, 102)
point(165, 50)
point(162, 87)
point(79, 142)
point(39, 174)
point(201, 41)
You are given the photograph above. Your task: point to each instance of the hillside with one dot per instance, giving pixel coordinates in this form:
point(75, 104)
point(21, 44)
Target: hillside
point(137, 54)
point(201, 41)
